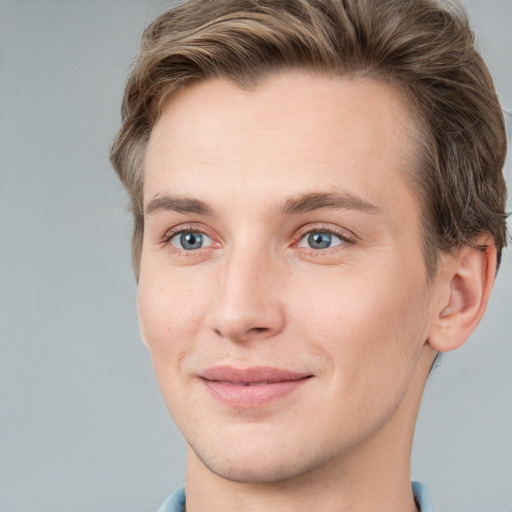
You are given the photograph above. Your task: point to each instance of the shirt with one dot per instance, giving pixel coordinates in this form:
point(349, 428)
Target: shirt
point(176, 502)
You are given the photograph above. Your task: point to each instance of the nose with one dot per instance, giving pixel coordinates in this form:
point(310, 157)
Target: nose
point(248, 303)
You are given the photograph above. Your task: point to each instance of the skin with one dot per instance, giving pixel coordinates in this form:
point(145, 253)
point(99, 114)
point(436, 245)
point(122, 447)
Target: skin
point(358, 316)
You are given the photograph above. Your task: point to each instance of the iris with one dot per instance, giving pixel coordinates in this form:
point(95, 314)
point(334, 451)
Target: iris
point(319, 240)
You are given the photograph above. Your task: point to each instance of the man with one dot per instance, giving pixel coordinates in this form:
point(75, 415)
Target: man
point(319, 211)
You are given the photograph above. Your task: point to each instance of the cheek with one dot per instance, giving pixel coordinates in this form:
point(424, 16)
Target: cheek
point(368, 328)
point(169, 317)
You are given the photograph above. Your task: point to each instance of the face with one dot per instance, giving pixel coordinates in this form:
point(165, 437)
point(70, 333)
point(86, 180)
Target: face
point(283, 294)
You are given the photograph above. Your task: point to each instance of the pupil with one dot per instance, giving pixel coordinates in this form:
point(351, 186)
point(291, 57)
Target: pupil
point(319, 240)
point(191, 240)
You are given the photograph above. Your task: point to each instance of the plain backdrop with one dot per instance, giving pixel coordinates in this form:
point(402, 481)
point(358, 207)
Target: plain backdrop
point(82, 424)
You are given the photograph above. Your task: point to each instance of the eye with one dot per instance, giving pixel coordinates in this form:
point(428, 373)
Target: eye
point(320, 240)
point(190, 240)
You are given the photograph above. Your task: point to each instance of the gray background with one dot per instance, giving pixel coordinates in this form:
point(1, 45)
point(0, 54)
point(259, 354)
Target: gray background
point(82, 424)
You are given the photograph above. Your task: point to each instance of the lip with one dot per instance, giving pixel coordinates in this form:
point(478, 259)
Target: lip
point(251, 387)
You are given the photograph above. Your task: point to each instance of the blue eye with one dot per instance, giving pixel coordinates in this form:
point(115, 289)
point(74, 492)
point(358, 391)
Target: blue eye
point(320, 240)
point(190, 240)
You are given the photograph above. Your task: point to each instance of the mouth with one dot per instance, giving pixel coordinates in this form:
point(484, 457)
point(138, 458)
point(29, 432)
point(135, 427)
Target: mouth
point(251, 387)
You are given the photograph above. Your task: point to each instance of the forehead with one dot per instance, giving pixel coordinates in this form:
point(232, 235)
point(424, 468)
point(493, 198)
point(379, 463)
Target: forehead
point(297, 132)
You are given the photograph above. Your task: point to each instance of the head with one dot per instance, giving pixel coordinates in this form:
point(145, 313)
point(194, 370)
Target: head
point(310, 182)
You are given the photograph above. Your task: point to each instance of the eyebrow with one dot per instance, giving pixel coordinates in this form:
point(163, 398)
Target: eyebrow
point(337, 200)
point(178, 204)
point(301, 204)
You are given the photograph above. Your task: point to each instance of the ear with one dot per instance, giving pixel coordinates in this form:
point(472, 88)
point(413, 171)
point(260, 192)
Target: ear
point(464, 284)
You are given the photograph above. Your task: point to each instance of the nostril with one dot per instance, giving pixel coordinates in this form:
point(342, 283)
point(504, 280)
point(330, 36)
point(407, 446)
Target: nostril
point(244, 324)
point(254, 331)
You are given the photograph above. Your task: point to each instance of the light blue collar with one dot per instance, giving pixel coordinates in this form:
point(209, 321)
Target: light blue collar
point(176, 502)
point(422, 497)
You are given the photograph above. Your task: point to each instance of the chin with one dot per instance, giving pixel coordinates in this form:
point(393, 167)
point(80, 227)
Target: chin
point(261, 465)
point(257, 473)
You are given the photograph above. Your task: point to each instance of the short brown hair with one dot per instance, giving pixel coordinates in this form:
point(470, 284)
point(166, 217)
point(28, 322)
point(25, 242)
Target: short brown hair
point(423, 47)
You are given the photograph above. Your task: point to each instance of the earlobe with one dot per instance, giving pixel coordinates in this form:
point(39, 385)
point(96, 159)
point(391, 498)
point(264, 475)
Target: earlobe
point(466, 282)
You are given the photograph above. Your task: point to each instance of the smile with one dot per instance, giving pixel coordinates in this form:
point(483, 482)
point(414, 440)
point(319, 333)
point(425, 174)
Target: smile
point(251, 387)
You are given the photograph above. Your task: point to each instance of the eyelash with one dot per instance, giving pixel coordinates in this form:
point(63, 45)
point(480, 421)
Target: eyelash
point(346, 239)
point(169, 235)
